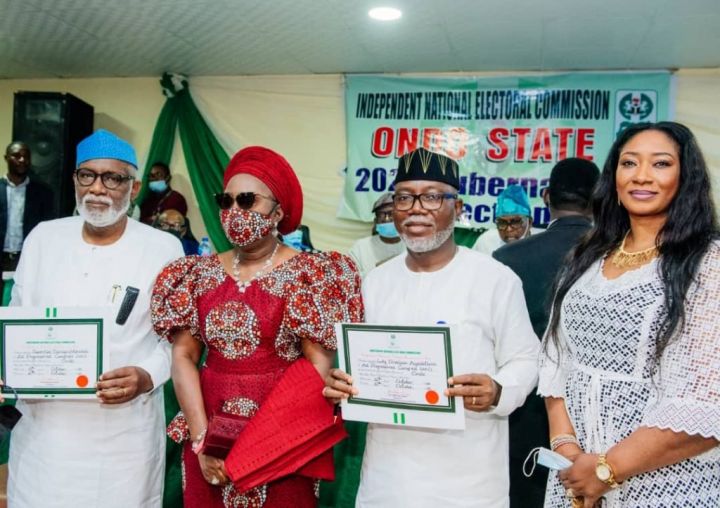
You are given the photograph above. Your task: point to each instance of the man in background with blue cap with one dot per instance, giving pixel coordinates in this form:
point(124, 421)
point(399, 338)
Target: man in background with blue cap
point(513, 219)
point(107, 452)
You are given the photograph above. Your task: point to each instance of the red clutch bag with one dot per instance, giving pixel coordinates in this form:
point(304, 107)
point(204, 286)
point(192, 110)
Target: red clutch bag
point(222, 431)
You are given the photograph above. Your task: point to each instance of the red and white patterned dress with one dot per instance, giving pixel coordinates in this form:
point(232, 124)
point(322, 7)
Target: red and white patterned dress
point(251, 337)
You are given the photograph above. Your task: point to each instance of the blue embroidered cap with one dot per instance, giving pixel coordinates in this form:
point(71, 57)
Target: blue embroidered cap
point(513, 201)
point(104, 144)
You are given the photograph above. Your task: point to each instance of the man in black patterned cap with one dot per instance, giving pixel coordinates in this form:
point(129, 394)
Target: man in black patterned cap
point(493, 348)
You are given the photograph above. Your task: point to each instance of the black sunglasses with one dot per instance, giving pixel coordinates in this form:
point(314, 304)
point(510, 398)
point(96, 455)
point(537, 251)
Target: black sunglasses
point(244, 200)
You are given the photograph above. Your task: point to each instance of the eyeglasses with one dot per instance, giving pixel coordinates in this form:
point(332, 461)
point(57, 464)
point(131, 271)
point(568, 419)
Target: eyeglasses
point(504, 224)
point(244, 200)
point(86, 177)
point(428, 201)
point(166, 226)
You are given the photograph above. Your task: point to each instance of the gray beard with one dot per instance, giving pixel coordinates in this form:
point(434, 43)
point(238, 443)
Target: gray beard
point(428, 244)
point(101, 219)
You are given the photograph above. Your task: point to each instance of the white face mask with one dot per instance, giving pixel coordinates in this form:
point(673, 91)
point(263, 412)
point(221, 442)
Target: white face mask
point(104, 217)
point(544, 457)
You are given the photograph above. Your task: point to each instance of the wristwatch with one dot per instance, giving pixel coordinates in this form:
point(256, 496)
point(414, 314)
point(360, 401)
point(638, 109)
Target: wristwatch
point(605, 472)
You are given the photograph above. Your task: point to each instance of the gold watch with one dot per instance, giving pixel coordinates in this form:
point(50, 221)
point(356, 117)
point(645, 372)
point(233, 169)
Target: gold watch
point(605, 473)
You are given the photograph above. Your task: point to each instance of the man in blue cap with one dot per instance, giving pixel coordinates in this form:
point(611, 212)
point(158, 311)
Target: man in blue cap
point(110, 451)
point(513, 219)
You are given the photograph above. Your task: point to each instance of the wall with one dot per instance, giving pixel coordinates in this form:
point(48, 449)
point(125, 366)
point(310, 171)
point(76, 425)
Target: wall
point(302, 117)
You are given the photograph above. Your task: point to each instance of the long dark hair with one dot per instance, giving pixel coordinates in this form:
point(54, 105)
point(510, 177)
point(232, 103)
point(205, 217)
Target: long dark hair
point(682, 242)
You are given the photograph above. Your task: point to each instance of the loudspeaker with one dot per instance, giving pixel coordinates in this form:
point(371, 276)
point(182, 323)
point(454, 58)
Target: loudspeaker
point(52, 124)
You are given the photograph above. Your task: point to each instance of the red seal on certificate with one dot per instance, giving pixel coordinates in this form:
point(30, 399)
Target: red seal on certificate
point(81, 381)
point(432, 397)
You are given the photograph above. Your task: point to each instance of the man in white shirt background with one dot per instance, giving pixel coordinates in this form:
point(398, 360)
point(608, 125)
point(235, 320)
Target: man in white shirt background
point(383, 244)
point(24, 202)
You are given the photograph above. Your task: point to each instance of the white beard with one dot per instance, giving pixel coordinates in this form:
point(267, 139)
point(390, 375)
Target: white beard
point(106, 217)
point(428, 244)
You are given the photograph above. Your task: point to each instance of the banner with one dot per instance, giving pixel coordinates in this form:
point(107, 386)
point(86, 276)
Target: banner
point(502, 131)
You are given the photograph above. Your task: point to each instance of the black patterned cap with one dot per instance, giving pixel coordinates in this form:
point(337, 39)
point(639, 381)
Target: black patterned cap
point(421, 164)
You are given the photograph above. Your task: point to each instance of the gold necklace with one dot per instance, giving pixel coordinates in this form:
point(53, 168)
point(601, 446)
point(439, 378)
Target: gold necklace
point(623, 259)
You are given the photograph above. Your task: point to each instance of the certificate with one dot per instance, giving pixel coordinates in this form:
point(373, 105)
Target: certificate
point(401, 373)
point(55, 352)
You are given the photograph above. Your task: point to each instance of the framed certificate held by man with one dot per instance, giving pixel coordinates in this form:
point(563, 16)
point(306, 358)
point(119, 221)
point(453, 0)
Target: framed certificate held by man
point(52, 352)
point(401, 373)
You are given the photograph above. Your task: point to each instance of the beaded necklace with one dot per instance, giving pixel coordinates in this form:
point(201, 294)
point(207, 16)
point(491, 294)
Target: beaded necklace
point(243, 285)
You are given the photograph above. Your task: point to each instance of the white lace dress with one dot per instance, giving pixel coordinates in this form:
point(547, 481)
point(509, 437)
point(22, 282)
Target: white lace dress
point(605, 376)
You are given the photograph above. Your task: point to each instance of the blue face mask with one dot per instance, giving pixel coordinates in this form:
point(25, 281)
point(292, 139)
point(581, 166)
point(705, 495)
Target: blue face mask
point(387, 230)
point(158, 186)
point(544, 457)
point(293, 239)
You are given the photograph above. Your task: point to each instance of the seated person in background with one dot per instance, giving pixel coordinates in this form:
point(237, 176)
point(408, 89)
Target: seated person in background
point(178, 225)
point(513, 218)
point(300, 240)
point(161, 197)
point(383, 244)
point(24, 202)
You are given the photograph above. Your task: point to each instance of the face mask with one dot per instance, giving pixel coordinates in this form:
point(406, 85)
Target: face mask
point(243, 227)
point(177, 234)
point(158, 186)
point(547, 458)
point(293, 239)
point(387, 230)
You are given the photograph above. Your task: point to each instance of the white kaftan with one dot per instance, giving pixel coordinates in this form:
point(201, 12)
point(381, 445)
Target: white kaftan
point(605, 374)
point(81, 453)
point(371, 251)
point(482, 302)
point(490, 240)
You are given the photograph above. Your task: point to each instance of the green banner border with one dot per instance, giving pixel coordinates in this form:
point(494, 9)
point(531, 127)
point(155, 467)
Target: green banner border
point(444, 330)
point(51, 392)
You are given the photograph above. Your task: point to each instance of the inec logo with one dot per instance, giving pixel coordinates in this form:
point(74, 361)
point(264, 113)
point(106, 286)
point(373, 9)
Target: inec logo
point(634, 106)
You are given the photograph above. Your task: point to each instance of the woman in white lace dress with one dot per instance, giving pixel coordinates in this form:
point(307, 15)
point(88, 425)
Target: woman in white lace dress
point(631, 364)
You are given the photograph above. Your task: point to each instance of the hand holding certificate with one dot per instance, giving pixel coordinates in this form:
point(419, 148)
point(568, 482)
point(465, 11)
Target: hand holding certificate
point(46, 356)
point(400, 375)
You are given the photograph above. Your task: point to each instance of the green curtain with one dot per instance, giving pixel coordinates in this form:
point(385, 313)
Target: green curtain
point(205, 158)
point(206, 162)
point(161, 146)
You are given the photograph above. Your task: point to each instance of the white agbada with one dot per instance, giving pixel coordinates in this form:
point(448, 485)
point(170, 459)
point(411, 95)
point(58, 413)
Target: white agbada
point(81, 453)
point(371, 251)
point(490, 240)
point(483, 303)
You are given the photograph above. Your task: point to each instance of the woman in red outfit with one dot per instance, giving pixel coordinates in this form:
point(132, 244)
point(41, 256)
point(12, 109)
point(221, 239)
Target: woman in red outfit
point(257, 308)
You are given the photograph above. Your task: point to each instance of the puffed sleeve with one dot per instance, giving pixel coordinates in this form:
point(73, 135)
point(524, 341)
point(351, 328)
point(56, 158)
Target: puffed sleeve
point(173, 306)
point(328, 292)
point(688, 379)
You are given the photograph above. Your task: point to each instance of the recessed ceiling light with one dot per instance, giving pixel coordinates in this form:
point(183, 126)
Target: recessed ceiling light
point(385, 13)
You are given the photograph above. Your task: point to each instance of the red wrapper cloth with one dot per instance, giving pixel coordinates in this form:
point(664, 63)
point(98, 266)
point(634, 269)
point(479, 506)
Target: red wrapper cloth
point(293, 432)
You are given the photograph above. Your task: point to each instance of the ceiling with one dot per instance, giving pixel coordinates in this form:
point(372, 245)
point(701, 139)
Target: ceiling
point(91, 38)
